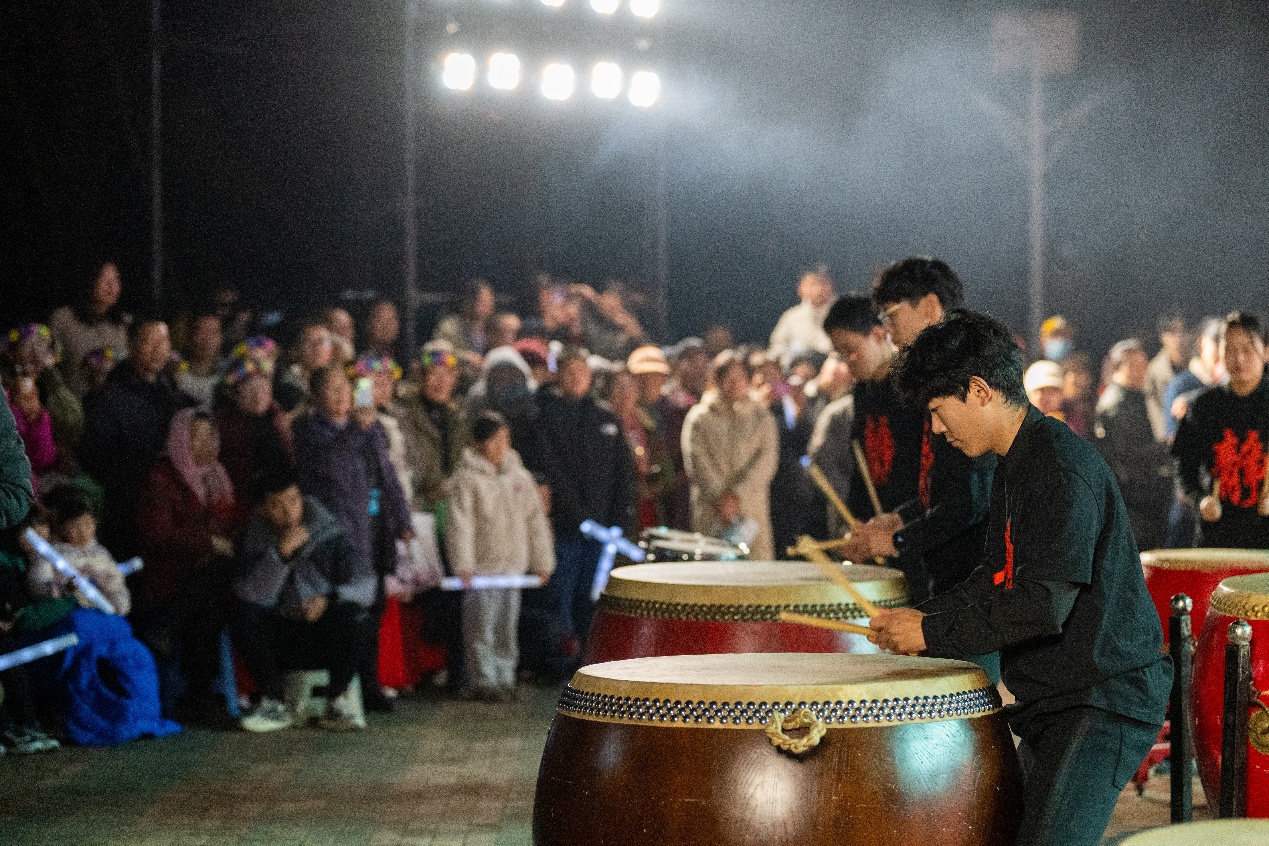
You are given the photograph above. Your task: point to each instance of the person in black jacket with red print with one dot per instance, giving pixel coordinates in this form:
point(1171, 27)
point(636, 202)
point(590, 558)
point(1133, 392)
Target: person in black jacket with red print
point(1059, 590)
point(1222, 442)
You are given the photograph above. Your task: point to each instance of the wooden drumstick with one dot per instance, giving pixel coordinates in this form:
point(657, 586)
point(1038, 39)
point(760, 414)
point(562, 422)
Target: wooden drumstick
point(821, 623)
point(862, 463)
point(826, 487)
point(821, 481)
point(1263, 507)
point(806, 548)
point(825, 544)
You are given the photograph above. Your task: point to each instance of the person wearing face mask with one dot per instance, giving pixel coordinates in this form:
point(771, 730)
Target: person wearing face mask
point(1057, 338)
point(1220, 446)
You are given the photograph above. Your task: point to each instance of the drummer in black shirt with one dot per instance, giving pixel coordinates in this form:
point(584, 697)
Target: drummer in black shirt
point(1221, 444)
point(1059, 591)
point(889, 432)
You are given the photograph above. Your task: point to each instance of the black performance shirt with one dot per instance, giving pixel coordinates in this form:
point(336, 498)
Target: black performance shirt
point(1060, 591)
point(1224, 437)
point(937, 485)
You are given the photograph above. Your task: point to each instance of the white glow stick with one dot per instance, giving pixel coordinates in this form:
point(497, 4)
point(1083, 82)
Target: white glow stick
point(35, 651)
point(486, 582)
point(611, 538)
point(132, 565)
point(61, 565)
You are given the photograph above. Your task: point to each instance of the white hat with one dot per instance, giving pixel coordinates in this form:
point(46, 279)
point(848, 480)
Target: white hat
point(1042, 374)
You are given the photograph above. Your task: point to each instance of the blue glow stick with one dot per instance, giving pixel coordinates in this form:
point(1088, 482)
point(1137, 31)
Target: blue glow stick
point(613, 540)
point(132, 565)
point(486, 582)
point(36, 651)
point(61, 565)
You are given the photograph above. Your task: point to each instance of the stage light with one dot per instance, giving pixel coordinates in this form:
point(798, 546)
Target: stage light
point(504, 71)
point(645, 8)
point(460, 71)
point(554, 4)
point(557, 81)
point(605, 7)
point(645, 89)
point(605, 80)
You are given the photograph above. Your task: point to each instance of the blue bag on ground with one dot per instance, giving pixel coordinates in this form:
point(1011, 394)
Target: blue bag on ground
point(110, 681)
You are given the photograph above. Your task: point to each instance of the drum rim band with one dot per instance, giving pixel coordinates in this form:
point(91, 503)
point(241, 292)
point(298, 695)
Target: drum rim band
point(1232, 600)
point(737, 613)
point(1251, 560)
point(755, 714)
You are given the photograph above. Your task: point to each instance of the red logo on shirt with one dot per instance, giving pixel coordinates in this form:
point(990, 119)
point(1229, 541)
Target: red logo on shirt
point(1240, 468)
point(927, 464)
point(878, 448)
point(1006, 575)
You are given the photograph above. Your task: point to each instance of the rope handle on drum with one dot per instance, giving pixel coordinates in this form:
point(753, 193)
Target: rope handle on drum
point(803, 718)
point(1258, 722)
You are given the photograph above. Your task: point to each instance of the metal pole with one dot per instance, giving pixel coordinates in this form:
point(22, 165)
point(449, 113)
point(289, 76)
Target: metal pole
point(662, 301)
point(1037, 142)
point(156, 152)
point(410, 211)
point(1233, 798)
point(1180, 720)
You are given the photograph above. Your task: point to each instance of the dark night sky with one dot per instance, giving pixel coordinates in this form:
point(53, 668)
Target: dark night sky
point(794, 133)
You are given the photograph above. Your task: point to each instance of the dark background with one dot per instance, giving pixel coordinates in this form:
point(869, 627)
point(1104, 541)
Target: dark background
point(792, 133)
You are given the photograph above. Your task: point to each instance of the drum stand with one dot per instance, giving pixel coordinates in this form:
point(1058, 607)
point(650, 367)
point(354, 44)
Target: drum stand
point(1181, 709)
point(1234, 723)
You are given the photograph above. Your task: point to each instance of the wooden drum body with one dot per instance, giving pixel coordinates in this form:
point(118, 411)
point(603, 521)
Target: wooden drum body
point(1196, 573)
point(1237, 598)
point(731, 606)
point(676, 750)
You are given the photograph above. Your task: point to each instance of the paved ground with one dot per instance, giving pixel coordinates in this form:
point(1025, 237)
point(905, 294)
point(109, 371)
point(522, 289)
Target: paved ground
point(436, 773)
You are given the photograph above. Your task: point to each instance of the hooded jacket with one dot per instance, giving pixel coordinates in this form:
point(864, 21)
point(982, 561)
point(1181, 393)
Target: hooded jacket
point(325, 565)
point(495, 523)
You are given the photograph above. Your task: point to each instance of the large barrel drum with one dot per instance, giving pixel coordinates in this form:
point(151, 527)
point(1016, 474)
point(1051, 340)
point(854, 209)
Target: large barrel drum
point(1236, 598)
point(731, 606)
point(779, 750)
point(1196, 573)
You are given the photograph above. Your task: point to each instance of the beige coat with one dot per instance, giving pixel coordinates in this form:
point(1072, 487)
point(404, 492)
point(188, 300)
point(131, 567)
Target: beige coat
point(495, 524)
point(732, 448)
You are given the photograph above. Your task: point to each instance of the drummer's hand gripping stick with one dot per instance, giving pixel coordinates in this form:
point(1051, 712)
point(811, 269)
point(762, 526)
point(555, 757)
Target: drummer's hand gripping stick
point(826, 487)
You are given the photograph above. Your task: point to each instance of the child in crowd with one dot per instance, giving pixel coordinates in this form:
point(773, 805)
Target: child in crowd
point(21, 620)
point(75, 538)
point(495, 525)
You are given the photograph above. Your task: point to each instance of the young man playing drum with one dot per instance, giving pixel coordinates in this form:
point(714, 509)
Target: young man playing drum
point(1059, 592)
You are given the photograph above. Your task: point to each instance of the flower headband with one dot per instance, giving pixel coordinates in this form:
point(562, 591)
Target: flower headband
point(367, 367)
point(438, 358)
point(101, 357)
point(32, 331)
point(248, 368)
point(257, 347)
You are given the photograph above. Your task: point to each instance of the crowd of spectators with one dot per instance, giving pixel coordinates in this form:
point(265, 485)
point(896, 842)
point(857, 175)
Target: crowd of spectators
point(284, 484)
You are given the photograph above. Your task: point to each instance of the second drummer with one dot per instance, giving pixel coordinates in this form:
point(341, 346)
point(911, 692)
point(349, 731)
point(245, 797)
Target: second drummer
point(1059, 592)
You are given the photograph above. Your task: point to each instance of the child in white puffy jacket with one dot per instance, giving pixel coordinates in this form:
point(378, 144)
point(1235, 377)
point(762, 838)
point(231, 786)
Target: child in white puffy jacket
point(495, 525)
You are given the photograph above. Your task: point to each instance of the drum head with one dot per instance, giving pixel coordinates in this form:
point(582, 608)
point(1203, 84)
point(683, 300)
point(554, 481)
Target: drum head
point(1207, 559)
point(1243, 596)
point(1222, 832)
point(741, 690)
point(753, 583)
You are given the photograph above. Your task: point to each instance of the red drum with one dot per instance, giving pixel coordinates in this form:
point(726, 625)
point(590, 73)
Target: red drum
point(1237, 598)
point(781, 750)
point(731, 606)
point(1196, 573)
